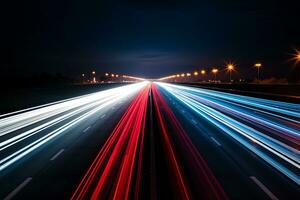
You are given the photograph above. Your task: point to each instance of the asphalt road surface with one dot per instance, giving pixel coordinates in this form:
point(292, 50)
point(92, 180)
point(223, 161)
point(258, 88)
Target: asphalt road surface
point(152, 141)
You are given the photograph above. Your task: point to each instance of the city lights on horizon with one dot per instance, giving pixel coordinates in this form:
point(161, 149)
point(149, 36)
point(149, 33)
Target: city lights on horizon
point(229, 67)
point(108, 77)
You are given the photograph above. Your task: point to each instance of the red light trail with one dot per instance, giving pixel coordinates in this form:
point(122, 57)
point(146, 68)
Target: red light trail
point(118, 170)
point(211, 187)
point(111, 174)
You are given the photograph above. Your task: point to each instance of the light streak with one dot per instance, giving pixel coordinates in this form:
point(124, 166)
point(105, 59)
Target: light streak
point(134, 78)
point(278, 144)
point(167, 77)
point(116, 160)
point(81, 108)
point(177, 169)
point(15, 122)
point(288, 109)
point(205, 177)
point(13, 140)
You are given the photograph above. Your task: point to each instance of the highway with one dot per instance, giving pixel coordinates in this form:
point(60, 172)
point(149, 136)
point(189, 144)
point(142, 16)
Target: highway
point(152, 141)
point(251, 144)
point(47, 146)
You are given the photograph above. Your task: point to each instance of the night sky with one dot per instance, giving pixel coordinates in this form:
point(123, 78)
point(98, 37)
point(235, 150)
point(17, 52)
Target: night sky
point(149, 38)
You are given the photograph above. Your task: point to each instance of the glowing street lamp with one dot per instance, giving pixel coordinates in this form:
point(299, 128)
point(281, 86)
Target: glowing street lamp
point(230, 68)
point(82, 75)
point(297, 56)
point(196, 73)
point(203, 72)
point(297, 59)
point(188, 74)
point(178, 75)
point(215, 71)
point(117, 75)
point(106, 74)
point(182, 75)
point(112, 75)
point(258, 66)
point(94, 78)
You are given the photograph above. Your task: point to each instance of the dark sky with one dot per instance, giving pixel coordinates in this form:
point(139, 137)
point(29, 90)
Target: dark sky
point(149, 38)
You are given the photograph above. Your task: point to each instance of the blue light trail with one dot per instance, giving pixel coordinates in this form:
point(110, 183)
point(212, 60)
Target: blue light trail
point(270, 129)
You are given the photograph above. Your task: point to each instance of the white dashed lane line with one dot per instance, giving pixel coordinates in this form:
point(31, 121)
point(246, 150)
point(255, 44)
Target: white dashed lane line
point(103, 116)
point(264, 188)
point(85, 130)
point(57, 154)
point(18, 189)
point(216, 141)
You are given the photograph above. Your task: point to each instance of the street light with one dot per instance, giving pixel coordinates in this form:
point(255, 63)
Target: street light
point(188, 74)
point(297, 56)
point(230, 68)
point(94, 78)
point(106, 74)
point(195, 73)
point(182, 75)
point(203, 72)
point(215, 71)
point(258, 66)
point(297, 59)
point(82, 75)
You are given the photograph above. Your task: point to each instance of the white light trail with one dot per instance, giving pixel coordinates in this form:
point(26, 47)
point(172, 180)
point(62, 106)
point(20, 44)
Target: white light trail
point(82, 108)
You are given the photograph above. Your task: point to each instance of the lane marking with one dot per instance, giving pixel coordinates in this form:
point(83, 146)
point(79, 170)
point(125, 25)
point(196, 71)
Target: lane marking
point(57, 154)
point(264, 188)
point(216, 141)
point(103, 116)
point(18, 189)
point(85, 130)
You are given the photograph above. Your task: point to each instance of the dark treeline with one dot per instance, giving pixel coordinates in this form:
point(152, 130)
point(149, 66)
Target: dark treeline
point(35, 81)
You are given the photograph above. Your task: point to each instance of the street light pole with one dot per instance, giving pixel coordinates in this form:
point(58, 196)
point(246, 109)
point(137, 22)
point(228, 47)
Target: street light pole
point(258, 66)
point(94, 77)
point(215, 71)
point(297, 58)
point(230, 68)
point(203, 72)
